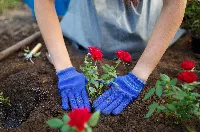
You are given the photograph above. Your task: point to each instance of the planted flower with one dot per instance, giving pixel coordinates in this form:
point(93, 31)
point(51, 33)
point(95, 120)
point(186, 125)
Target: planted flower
point(79, 120)
point(124, 56)
point(188, 65)
point(182, 100)
point(96, 53)
point(92, 66)
point(187, 77)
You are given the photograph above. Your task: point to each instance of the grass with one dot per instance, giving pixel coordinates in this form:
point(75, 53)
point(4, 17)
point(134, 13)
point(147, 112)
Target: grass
point(8, 4)
point(3, 100)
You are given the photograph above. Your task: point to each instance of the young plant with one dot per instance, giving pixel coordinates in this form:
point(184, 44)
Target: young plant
point(3, 100)
point(91, 70)
point(182, 102)
point(79, 120)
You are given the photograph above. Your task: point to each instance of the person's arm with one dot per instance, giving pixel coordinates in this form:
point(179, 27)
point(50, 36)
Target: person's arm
point(165, 29)
point(51, 31)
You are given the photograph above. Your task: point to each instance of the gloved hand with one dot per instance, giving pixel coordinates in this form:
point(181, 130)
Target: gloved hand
point(119, 95)
point(72, 87)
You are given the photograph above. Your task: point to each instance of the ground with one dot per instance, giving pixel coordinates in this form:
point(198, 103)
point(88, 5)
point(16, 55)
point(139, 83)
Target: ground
point(32, 88)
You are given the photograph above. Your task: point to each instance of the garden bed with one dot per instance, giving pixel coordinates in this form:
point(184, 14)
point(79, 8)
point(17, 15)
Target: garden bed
point(32, 88)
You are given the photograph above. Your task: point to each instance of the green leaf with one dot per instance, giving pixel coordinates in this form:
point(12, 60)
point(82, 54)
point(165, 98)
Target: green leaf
point(94, 119)
point(195, 83)
point(55, 123)
point(107, 65)
point(171, 107)
point(195, 94)
point(163, 83)
point(73, 129)
point(158, 83)
point(65, 128)
point(161, 107)
point(173, 81)
point(113, 74)
point(190, 87)
point(152, 108)
point(149, 94)
point(169, 93)
point(25, 54)
point(105, 69)
point(65, 118)
point(88, 129)
point(105, 76)
point(96, 84)
point(27, 51)
point(159, 91)
point(180, 95)
point(185, 86)
point(92, 90)
point(164, 77)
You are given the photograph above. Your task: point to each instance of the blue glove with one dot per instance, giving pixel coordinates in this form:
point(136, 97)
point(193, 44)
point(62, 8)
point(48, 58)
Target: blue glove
point(119, 95)
point(72, 87)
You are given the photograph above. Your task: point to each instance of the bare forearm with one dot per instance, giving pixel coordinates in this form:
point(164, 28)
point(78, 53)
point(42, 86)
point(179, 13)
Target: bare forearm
point(165, 29)
point(51, 31)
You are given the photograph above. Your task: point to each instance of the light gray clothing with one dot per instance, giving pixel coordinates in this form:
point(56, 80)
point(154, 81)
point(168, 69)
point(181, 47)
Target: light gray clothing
point(112, 25)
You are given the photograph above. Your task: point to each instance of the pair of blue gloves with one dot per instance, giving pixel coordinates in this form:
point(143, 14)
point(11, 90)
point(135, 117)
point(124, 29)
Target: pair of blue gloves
point(72, 87)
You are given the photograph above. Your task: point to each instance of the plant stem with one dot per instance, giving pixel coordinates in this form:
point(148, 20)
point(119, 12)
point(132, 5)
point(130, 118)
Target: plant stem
point(119, 61)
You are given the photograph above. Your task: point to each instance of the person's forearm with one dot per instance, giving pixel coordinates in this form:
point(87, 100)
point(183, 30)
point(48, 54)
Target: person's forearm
point(165, 29)
point(51, 31)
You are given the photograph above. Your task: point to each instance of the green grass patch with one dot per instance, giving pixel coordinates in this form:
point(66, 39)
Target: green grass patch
point(8, 4)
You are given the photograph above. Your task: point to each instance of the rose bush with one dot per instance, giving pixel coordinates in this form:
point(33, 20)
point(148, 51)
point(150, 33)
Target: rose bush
point(91, 70)
point(180, 99)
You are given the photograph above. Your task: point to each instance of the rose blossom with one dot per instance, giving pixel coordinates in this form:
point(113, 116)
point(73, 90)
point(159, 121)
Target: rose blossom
point(188, 65)
point(96, 53)
point(123, 56)
point(188, 77)
point(78, 118)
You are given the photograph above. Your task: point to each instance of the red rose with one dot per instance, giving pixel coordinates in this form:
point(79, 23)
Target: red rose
point(188, 77)
point(124, 56)
point(188, 65)
point(96, 53)
point(78, 118)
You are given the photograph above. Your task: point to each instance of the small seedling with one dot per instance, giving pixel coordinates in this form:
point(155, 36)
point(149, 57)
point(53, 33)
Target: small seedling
point(3, 100)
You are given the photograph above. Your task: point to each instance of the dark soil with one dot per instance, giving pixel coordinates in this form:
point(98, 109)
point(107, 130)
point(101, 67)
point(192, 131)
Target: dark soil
point(32, 88)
